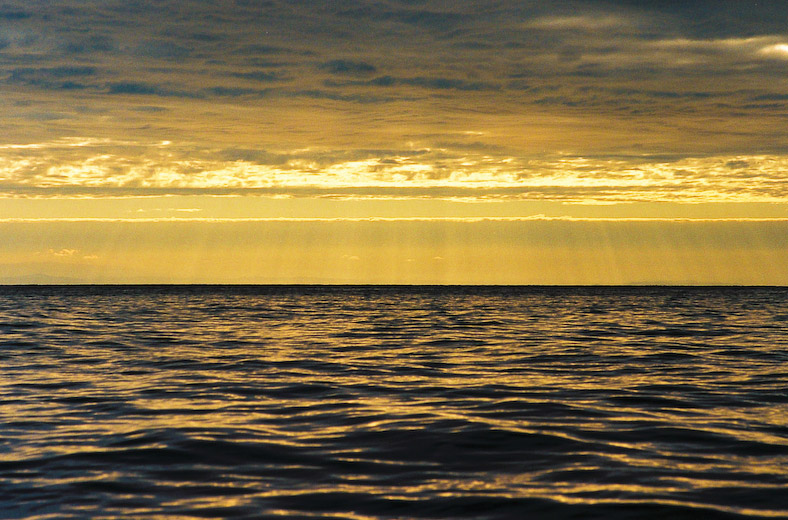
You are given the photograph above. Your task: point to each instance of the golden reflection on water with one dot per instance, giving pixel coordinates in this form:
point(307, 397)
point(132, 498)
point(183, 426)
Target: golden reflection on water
point(255, 401)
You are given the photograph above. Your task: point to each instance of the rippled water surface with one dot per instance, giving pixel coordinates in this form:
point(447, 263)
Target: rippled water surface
point(393, 402)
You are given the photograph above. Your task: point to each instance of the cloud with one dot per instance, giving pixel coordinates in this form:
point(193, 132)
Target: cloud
point(425, 82)
point(335, 96)
point(236, 91)
point(162, 49)
point(434, 20)
point(149, 108)
point(737, 164)
point(108, 168)
point(136, 88)
point(133, 88)
point(89, 45)
point(14, 15)
point(25, 73)
point(63, 252)
point(255, 50)
point(254, 156)
point(53, 78)
point(348, 67)
point(770, 97)
point(578, 22)
point(777, 50)
point(258, 75)
point(724, 51)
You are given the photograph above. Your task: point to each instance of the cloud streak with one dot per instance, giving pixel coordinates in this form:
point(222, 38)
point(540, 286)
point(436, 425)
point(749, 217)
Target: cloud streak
point(466, 220)
point(92, 167)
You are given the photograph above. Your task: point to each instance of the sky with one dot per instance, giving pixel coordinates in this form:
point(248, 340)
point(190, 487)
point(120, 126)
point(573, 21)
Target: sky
point(394, 141)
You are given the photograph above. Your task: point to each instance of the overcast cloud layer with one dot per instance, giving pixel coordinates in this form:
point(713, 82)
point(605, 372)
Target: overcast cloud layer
point(568, 101)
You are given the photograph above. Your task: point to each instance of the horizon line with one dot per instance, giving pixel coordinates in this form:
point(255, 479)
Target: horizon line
point(349, 284)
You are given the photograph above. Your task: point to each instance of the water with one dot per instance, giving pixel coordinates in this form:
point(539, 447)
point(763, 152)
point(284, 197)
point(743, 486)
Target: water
point(393, 402)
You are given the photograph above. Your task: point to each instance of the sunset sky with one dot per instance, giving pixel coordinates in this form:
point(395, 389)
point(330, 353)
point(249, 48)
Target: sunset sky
point(394, 141)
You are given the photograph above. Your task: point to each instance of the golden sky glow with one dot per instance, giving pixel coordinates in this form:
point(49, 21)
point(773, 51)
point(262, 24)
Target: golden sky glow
point(307, 111)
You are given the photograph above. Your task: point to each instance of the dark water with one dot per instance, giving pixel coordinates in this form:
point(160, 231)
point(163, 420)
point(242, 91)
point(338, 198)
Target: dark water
point(415, 402)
